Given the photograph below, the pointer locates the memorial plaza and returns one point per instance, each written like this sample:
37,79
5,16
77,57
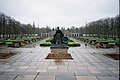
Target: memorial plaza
87,64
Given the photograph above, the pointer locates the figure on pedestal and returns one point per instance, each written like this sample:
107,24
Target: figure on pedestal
58,37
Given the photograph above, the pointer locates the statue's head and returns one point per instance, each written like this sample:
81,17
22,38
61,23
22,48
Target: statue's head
58,28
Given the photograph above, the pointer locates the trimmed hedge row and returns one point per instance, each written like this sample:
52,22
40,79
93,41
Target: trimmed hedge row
101,42
19,42
45,44
74,45
71,43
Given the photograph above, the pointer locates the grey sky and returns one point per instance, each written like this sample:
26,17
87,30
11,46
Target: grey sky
55,13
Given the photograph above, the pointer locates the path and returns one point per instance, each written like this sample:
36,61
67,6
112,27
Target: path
88,64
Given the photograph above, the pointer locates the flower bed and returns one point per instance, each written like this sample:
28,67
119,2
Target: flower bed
58,56
113,56
6,55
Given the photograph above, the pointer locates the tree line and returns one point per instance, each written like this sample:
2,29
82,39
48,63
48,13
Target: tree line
9,27
107,27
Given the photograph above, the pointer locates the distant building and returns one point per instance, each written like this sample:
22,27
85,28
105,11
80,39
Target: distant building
44,34
74,34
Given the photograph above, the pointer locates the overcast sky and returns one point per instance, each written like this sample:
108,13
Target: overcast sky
55,13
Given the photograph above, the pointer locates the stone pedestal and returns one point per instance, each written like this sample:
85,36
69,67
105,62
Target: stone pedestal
59,52
59,49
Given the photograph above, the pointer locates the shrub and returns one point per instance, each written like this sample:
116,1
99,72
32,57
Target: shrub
73,44
15,41
9,43
49,40
2,42
70,40
45,44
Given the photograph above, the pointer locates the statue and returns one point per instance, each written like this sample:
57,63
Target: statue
58,37
59,47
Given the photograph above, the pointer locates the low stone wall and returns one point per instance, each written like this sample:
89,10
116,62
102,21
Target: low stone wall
65,51
56,49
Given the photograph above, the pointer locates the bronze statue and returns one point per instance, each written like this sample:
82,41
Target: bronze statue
58,37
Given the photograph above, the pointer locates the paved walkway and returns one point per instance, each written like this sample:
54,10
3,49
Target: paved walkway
88,64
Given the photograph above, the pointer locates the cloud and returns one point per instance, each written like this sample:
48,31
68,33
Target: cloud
59,12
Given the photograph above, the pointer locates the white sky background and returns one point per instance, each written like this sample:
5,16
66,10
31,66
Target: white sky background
55,13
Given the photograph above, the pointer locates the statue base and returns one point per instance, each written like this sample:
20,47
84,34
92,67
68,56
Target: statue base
59,52
59,49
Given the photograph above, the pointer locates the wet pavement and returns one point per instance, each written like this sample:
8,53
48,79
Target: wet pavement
87,64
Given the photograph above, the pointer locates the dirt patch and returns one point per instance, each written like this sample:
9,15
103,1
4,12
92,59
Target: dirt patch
58,56
113,56
6,55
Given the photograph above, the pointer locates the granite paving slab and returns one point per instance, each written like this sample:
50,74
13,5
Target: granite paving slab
25,77
45,78
8,77
62,77
86,78
107,78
